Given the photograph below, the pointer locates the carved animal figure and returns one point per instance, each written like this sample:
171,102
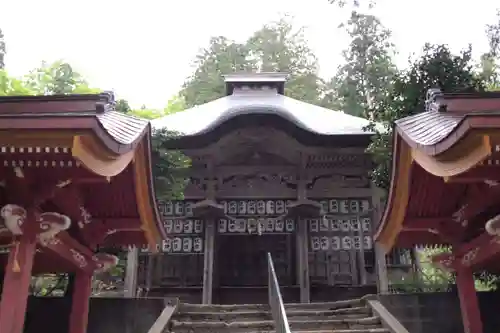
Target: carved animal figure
13,217
52,223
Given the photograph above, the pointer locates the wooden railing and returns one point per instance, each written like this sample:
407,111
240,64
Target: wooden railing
161,323
275,300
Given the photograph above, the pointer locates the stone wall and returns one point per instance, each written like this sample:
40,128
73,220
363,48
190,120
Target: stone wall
440,312
107,315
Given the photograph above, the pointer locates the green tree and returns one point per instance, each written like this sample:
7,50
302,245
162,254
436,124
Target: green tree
169,166
277,46
437,67
366,76
280,47
489,67
57,78
122,106
3,50
222,56
174,105
147,113
10,86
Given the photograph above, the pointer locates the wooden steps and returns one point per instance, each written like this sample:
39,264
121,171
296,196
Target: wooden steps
350,316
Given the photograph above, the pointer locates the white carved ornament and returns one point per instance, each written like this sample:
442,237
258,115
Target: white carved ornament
85,219
52,223
469,257
493,226
105,261
79,258
459,216
13,218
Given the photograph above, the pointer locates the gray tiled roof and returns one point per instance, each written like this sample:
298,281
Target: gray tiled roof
203,118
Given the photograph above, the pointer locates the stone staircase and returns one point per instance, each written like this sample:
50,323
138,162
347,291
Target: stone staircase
351,316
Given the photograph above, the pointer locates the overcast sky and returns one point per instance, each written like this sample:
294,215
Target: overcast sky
143,49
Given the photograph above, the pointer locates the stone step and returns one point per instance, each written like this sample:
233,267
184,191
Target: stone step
356,312
351,303
239,326
223,316
187,307
343,313
295,325
366,330
325,324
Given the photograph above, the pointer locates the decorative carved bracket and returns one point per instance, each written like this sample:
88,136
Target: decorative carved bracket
304,208
49,223
208,209
493,226
104,261
13,217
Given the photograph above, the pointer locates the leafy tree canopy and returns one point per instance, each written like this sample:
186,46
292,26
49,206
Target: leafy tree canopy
277,46
437,67
366,75
58,77
3,50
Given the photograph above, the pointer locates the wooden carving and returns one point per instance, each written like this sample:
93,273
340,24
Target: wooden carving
13,217
255,184
196,187
324,185
255,157
51,224
332,161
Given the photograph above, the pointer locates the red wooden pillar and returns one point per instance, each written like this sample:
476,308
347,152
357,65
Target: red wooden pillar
469,305
16,285
80,306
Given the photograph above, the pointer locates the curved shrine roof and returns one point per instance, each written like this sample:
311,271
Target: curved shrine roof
447,119
448,139
317,120
106,142
118,131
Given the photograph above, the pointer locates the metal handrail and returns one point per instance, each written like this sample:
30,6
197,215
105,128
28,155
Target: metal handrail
275,300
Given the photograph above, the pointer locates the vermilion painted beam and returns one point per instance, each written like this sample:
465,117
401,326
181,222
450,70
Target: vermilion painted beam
99,229
477,175
471,255
469,305
73,252
80,305
16,283
448,230
481,197
427,222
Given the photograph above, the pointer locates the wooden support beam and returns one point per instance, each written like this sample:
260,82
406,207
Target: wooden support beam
17,280
131,272
80,303
209,257
479,174
303,262
469,305
481,197
302,236
472,255
380,256
208,264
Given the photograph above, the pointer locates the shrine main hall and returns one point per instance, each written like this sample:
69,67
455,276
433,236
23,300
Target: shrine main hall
269,173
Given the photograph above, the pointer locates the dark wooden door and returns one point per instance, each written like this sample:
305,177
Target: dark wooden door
242,259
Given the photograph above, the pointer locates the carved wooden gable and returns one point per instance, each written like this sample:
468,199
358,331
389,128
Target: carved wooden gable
255,156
